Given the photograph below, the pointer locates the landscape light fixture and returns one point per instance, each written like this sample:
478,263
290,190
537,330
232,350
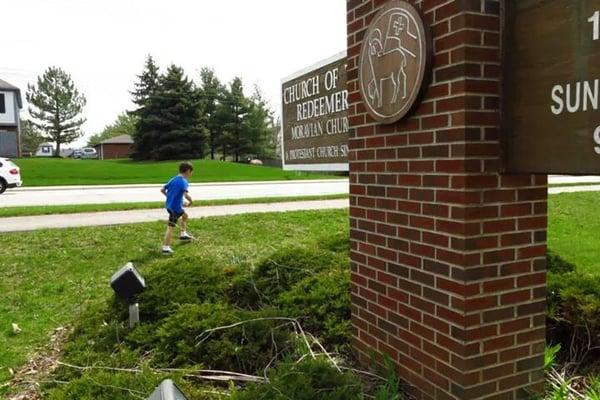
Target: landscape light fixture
167,391
128,283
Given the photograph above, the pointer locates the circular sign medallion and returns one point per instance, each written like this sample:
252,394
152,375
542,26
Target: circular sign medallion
393,61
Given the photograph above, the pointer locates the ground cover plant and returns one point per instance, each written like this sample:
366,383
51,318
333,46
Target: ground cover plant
57,172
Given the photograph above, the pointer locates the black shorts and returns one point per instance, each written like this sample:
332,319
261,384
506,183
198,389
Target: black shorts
174,217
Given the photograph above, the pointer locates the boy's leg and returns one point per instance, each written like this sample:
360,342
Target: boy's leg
183,224
168,236
169,233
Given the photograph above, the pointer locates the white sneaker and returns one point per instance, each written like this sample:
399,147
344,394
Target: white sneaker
167,250
185,237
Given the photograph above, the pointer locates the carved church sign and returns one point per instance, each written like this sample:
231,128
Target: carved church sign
394,61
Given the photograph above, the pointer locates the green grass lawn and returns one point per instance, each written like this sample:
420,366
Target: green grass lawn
56,172
574,228
84,208
48,277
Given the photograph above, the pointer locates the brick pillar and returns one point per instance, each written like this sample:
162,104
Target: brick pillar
448,254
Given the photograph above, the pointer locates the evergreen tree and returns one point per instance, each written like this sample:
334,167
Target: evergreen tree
31,137
234,111
259,127
126,124
147,83
169,125
211,94
56,106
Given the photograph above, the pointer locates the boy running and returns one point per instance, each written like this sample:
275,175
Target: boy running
175,190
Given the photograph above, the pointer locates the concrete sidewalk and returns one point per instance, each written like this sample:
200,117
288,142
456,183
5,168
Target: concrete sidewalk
54,196
20,224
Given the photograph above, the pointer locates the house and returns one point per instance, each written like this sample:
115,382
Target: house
10,128
45,150
116,147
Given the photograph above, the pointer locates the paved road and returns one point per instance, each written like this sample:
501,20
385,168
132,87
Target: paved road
46,196
20,224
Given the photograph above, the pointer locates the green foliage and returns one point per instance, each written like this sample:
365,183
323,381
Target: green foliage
56,106
557,264
573,308
147,83
31,137
169,121
573,299
307,380
186,280
126,124
123,385
321,303
211,93
178,119
289,266
390,390
186,338
550,354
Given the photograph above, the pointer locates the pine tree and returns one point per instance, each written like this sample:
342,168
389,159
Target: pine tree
234,111
259,127
170,125
56,106
147,83
211,94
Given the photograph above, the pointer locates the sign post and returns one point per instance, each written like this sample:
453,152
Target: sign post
315,117
551,99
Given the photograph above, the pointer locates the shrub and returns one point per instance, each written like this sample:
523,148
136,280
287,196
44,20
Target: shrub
573,307
306,380
248,347
278,273
103,384
186,280
322,305
557,265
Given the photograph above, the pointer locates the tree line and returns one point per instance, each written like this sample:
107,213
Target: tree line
174,117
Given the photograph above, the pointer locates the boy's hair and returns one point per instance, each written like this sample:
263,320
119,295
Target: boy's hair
185,167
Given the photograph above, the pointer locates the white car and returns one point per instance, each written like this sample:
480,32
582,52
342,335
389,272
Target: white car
10,175
89,153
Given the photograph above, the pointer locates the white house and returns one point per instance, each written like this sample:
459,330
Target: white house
10,129
45,150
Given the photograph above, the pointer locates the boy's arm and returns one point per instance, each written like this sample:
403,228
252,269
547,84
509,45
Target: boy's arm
163,190
188,198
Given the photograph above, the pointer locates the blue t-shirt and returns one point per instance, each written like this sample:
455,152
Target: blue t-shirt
175,189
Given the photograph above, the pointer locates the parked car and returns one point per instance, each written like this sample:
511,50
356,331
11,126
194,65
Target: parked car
10,175
87,152
77,153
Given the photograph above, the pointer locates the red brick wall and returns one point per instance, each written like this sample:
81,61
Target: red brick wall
113,151
448,255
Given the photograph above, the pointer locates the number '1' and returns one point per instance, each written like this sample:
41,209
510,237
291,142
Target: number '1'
595,19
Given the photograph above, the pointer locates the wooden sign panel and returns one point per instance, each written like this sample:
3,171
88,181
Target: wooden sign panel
551,90
315,117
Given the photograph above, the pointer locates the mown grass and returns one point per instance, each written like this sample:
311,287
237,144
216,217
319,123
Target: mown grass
573,228
60,172
85,208
49,277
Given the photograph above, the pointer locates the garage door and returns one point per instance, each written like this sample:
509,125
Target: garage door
8,144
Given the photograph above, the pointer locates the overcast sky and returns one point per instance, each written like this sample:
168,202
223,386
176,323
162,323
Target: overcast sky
103,43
